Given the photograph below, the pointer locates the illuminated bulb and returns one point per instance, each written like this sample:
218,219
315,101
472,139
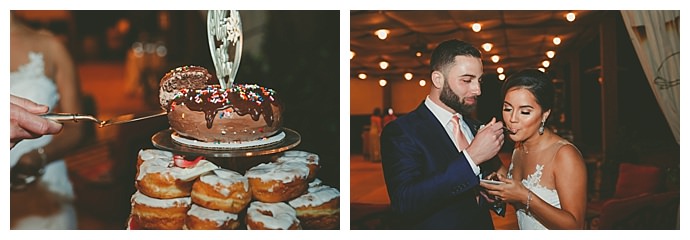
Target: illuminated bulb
383,82
352,54
570,16
476,27
362,76
546,63
408,76
382,33
550,54
542,69
418,54
557,40
383,64
495,58
501,77
487,46
499,70
422,82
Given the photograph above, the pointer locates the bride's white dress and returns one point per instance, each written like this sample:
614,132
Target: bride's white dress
30,82
532,182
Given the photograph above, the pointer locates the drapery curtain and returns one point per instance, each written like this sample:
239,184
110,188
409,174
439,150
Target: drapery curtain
655,36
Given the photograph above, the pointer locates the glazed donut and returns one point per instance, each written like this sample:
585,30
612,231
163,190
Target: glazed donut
222,189
200,218
311,159
149,154
158,179
319,208
278,181
153,213
271,216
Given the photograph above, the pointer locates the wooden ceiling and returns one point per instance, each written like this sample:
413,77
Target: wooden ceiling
520,38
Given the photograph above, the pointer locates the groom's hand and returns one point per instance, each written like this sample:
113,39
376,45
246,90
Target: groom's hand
487,142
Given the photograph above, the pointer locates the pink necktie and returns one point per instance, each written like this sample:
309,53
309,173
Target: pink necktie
459,137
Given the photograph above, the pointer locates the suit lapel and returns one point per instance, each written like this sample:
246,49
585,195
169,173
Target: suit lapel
433,133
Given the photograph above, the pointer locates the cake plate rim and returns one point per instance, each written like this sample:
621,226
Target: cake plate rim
163,140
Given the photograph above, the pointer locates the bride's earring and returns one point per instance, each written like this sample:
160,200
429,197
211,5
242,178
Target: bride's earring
541,128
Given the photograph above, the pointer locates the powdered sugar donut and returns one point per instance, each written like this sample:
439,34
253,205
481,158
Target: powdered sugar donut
271,216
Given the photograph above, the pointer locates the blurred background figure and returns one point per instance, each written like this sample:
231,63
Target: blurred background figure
42,71
389,117
375,128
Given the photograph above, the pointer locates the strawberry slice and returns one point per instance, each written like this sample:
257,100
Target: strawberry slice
184,163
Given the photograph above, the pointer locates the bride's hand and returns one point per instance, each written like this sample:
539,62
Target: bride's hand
509,191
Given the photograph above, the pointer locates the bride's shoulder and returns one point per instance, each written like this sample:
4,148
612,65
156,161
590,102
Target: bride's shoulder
568,155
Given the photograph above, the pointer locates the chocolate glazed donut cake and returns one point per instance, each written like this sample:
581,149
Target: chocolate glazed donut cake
209,113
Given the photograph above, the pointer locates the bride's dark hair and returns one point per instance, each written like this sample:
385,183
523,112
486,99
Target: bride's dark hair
535,81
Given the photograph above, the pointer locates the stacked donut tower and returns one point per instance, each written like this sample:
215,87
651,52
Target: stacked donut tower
174,192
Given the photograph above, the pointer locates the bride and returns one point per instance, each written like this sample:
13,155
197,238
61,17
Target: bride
42,71
547,179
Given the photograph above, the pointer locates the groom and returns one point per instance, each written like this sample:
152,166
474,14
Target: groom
434,156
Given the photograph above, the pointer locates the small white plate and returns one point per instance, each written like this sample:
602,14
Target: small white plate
491,181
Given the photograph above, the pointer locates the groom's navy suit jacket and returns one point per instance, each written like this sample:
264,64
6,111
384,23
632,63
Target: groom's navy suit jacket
430,184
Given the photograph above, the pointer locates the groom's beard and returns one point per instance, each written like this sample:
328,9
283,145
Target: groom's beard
452,100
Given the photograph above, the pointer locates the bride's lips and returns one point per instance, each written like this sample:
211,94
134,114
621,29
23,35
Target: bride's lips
507,130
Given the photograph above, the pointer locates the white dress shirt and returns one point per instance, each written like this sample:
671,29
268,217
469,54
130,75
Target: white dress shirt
444,117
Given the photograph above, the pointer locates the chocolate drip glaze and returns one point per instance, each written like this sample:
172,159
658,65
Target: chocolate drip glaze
242,99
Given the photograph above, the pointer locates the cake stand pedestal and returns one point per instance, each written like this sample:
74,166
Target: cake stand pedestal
236,159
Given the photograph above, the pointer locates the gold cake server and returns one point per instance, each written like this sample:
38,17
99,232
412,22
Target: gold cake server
75,117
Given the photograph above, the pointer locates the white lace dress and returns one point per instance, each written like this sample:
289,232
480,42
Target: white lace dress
30,82
532,182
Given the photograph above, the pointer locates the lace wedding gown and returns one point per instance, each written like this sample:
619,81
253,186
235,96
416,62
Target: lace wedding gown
30,82
532,182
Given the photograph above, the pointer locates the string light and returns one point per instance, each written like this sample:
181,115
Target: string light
408,76
550,54
487,46
352,54
422,82
557,40
495,58
382,33
570,16
383,64
476,27
546,63
542,69
362,76
501,77
499,70
383,82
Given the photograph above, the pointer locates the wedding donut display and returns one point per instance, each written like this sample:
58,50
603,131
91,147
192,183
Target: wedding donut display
259,182
176,193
